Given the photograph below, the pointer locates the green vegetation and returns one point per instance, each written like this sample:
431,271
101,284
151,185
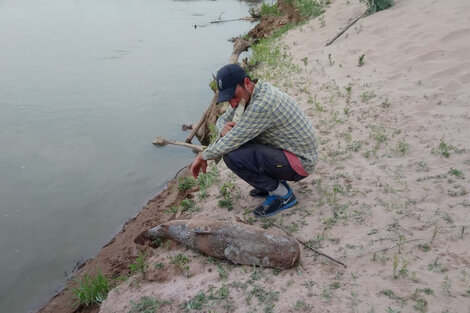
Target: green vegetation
146,305
213,134
268,53
377,5
214,297
268,298
91,290
226,192
402,146
222,272
360,61
186,183
205,180
307,8
456,172
444,149
184,205
180,261
269,10
139,264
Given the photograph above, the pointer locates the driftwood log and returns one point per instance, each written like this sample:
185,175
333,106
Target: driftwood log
162,141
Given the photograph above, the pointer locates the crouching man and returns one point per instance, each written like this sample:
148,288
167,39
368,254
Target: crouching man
272,143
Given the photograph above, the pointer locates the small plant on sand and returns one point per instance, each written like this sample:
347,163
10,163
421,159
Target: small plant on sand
180,261
300,305
195,303
268,222
444,148
268,298
355,146
379,135
421,304
184,205
186,183
402,146
226,192
457,173
377,5
446,285
205,180
434,265
139,264
425,247
319,107
360,61
91,290
222,272
367,95
423,166
385,104
146,305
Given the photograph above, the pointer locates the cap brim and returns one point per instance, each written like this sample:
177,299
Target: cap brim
226,94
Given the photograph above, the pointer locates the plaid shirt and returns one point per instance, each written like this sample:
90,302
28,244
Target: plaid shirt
273,118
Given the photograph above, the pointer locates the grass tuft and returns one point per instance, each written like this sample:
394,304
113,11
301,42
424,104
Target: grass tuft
378,5
91,290
146,305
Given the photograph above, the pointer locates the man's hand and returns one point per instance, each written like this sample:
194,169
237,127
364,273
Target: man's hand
228,127
198,164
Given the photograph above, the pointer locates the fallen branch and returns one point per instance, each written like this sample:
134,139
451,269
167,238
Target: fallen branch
383,249
200,123
346,28
310,247
161,141
246,18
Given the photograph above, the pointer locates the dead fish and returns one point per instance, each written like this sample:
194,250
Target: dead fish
236,242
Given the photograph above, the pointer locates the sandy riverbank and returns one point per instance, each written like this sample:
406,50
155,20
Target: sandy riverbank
390,193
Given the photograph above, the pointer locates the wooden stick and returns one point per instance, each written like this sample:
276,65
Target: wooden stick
346,28
310,247
247,18
161,141
383,249
201,122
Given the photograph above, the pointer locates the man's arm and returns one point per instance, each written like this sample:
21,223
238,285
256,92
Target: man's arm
223,119
253,123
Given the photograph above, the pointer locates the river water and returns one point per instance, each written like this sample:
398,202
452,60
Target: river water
85,86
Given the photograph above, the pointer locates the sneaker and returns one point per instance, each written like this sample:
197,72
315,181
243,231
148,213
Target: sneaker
258,193
276,204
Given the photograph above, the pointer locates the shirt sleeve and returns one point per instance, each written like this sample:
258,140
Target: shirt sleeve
227,116
252,123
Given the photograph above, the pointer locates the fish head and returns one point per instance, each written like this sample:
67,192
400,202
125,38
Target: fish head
152,234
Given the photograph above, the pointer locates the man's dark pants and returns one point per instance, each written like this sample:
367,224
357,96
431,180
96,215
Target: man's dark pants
261,166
